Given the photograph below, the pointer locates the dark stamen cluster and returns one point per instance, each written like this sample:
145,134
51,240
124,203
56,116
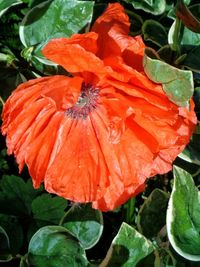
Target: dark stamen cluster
86,102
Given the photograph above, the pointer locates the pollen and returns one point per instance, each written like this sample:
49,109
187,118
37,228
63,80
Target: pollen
86,103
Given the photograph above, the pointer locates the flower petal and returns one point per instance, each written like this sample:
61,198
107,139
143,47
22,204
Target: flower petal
37,153
77,169
75,54
31,116
147,145
113,40
112,28
67,92
35,129
132,130
126,162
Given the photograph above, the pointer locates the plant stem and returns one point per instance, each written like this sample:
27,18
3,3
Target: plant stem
66,213
129,210
1,100
177,36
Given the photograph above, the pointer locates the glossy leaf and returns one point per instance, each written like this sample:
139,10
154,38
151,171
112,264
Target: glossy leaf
190,38
186,16
177,84
14,197
66,17
151,216
44,66
48,209
187,37
153,31
183,216
127,248
4,246
85,223
53,246
155,7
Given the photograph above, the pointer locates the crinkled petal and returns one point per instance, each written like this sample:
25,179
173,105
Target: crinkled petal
112,28
67,91
75,54
139,140
35,129
125,160
31,117
38,153
113,40
155,97
77,169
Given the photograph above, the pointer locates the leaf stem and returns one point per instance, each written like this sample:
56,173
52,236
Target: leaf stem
66,213
130,210
196,173
177,36
2,101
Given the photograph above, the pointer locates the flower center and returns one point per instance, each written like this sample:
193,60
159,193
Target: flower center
86,102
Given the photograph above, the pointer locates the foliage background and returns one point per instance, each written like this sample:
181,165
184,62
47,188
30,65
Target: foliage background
39,229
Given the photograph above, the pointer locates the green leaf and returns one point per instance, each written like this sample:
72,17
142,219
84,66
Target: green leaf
34,55
190,38
3,162
6,4
155,7
190,154
129,211
186,16
149,261
187,37
66,17
192,59
85,223
48,209
44,66
177,84
136,22
23,262
32,192
127,248
6,59
4,246
9,79
33,3
53,246
197,103
153,31
152,215
171,10
14,231
183,216
14,197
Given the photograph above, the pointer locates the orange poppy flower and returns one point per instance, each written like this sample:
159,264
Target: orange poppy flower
97,136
